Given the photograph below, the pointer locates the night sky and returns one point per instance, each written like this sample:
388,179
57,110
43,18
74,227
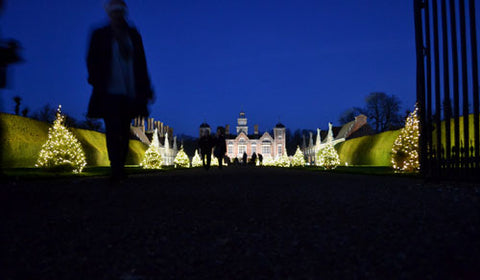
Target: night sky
298,62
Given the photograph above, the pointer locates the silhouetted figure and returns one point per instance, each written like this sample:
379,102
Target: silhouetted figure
244,158
254,159
206,143
260,159
220,146
236,162
117,71
227,160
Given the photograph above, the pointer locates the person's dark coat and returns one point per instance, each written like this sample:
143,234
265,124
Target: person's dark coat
206,143
99,61
220,147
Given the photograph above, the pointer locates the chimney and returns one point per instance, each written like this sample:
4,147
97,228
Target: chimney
170,131
227,129
142,124
149,124
160,130
255,129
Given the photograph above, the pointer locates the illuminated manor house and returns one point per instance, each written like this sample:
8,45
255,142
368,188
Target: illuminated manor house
265,144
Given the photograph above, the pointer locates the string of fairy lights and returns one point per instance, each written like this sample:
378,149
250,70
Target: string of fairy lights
405,149
181,159
328,157
62,147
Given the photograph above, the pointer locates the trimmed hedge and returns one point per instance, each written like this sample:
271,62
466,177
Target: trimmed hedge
22,139
452,125
374,150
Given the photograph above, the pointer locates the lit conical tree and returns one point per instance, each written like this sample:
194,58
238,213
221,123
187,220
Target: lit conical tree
153,158
268,161
282,161
196,160
328,157
181,160
405,148
298,158
61,148
214,161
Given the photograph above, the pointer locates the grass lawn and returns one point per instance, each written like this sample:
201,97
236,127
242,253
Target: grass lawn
365,170
39,173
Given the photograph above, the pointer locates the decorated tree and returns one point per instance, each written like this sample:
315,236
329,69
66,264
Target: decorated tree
282,161
214,161
181,160
62,149
405,148
268,161
153,158
298,158
328,157
196,161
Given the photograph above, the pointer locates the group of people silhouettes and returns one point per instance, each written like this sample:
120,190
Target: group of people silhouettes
208,142
217,143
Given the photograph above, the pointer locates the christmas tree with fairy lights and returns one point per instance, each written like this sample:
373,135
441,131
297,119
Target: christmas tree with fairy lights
62,149
328,157
196,160
298,158
153,158
181,159
282,161
405,148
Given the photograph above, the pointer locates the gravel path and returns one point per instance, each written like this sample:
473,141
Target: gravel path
240,223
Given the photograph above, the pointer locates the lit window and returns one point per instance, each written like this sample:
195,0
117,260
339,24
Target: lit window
230,148
279,149
265,149
254,148
241,149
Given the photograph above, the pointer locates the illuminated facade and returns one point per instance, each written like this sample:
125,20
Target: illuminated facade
269,146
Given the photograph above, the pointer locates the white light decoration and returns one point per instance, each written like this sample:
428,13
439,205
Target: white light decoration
181,160
282,161
153,158
214,161
268,161
328,157
62,149
405,148
196,160
298,158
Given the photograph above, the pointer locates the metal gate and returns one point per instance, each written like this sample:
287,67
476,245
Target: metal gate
447,88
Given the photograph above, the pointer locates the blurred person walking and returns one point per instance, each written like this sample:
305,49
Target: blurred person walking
117,71
220,146
206,143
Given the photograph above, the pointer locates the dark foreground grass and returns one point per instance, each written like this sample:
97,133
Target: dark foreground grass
239,223
99,171
40,173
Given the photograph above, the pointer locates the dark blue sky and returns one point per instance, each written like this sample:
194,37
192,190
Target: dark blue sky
299,62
